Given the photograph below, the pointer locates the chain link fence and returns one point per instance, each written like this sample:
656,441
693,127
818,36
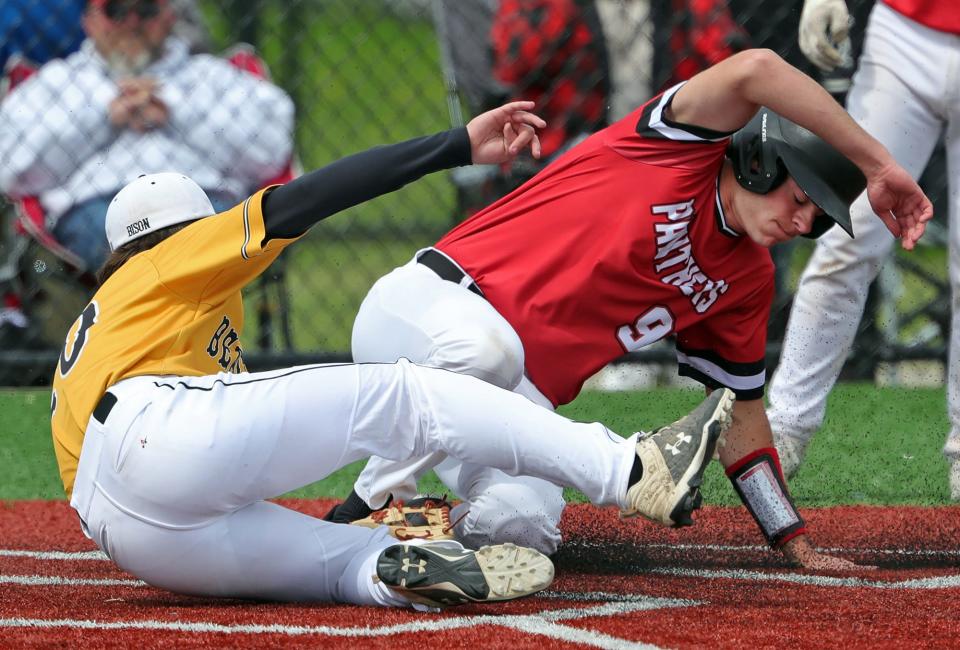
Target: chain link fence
367,72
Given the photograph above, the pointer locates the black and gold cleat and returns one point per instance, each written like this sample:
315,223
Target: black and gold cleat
674,459
442,574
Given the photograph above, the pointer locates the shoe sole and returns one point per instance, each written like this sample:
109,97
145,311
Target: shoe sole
692,479
440,577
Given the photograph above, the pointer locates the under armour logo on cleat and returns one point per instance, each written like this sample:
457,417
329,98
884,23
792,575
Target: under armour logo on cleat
421,565
675,447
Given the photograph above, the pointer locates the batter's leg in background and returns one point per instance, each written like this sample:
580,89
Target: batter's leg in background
952,447
172,484
897,82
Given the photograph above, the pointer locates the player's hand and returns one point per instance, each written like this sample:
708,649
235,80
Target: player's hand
900,203
497,136
824,25
799,551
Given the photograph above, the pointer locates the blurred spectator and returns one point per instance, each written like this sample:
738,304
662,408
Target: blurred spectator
190,27
42,30
39,30
553,52
587,61
133,100
463,27
629,35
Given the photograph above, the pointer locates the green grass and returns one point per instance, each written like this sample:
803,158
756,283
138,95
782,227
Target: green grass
878,446
28,469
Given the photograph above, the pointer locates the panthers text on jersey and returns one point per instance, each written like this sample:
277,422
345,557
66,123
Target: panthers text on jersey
617,244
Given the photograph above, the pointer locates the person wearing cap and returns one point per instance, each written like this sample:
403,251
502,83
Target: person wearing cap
168,448
134,100
656,226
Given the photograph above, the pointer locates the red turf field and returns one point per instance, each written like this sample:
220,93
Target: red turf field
619,585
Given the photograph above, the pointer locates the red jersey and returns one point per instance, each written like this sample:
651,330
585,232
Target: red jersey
617,244
942,15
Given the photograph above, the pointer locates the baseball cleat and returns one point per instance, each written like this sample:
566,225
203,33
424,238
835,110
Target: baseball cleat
791,451
441,574
674,458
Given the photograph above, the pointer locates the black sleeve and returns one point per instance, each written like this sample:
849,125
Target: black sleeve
290,210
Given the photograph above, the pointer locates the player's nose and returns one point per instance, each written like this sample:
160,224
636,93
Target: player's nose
803,219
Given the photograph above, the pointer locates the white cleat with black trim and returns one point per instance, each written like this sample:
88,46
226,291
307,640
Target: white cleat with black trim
441,574
674,458
791,451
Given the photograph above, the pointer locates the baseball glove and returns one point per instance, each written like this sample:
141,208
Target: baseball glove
420,518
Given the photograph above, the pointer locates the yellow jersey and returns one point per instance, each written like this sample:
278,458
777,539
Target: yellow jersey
175,309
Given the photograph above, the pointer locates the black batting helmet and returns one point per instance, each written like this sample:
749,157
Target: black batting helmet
770,147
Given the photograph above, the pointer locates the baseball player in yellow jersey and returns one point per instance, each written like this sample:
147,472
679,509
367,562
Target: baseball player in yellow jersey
169,449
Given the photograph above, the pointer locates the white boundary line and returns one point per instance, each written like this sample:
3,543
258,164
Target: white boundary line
542,624
935,582
947,552
54,555
938,582
57,581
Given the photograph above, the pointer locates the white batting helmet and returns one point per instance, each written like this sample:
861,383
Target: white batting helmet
152,202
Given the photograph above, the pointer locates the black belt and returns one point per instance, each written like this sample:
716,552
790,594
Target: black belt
447,270
104,406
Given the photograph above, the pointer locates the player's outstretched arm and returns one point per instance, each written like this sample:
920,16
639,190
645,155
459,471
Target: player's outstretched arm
493,137
748,454
725,96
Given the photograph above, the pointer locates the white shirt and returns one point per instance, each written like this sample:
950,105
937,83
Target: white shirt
228,130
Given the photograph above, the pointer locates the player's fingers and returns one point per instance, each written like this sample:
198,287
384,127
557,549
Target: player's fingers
535,147
524,138
512,107
507,111
524,117
917,220
509,136
913,210
890,222
525,135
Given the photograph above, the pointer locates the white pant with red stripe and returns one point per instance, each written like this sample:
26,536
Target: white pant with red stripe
906,92
172,485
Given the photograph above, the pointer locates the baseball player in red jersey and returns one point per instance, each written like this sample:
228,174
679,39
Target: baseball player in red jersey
655,226
168,448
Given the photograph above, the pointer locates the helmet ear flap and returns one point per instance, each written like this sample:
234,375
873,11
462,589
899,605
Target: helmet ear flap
755,154
756,162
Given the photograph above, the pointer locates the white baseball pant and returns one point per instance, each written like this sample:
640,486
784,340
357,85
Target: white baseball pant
172,485
412,313
904,93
